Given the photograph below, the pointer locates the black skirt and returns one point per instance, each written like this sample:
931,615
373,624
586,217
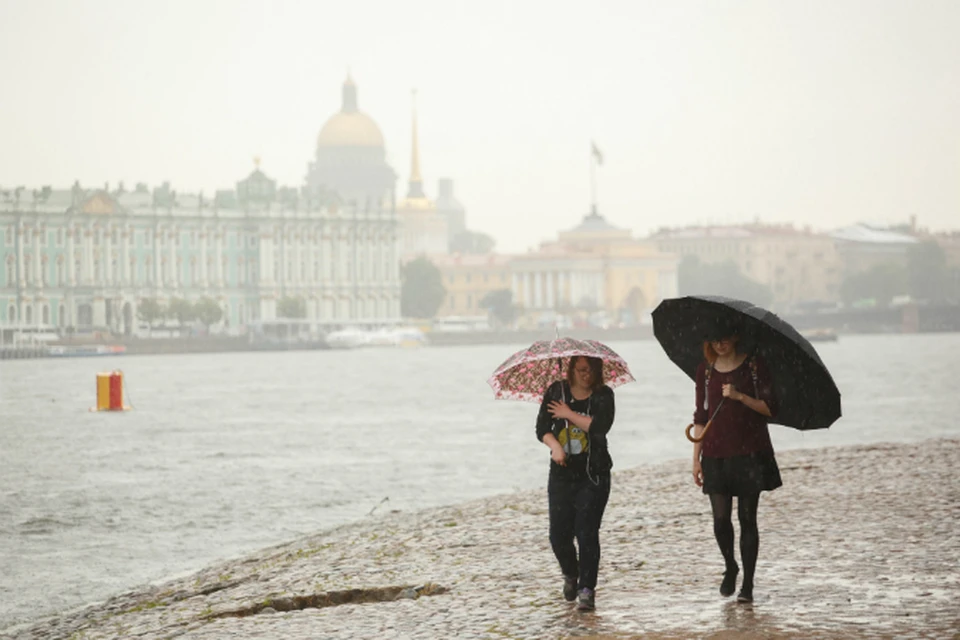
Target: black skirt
741,475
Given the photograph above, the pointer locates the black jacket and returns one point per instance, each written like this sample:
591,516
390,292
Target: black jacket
601,408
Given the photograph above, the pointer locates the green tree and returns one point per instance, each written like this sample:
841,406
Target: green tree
291,307
208,312
422,291
149,311
880,283
500,305
181,310
472,242
720,279
927,271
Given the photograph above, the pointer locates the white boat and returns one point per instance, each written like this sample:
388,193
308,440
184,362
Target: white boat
347,339
397,337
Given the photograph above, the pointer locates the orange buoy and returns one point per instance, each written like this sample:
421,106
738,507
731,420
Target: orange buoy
110,391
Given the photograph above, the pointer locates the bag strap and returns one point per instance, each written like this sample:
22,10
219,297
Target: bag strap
706,386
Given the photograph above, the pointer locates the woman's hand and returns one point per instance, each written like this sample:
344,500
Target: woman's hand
697,472
559,410
730,391
558,455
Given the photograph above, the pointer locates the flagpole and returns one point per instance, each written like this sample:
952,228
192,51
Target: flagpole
593,180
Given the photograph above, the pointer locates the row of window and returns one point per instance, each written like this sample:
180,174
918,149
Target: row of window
245,271
332,309
191,238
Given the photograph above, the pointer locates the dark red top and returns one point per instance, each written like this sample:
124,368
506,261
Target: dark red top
737,429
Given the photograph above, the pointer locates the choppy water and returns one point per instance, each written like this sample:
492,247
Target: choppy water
232,452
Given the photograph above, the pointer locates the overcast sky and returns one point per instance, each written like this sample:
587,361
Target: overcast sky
818,112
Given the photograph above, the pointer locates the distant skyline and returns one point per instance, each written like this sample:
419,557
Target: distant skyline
820,114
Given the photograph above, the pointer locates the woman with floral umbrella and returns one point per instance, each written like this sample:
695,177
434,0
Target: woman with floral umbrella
576,413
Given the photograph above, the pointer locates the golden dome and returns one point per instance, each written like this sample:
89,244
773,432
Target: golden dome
350,130
350,127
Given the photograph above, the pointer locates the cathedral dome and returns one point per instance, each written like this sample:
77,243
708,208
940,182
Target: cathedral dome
350,127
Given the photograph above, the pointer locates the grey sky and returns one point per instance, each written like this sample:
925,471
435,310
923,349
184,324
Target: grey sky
819,112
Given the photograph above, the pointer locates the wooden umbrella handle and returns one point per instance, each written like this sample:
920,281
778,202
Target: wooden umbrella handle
703,433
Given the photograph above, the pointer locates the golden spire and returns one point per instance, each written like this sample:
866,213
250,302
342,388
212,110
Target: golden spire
416,180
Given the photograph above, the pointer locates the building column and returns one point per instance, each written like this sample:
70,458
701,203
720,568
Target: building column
538,290
203,257
172,257
126,236
88,254
156,250
551,289
107,275
99,307
218,255
71,259
20,264
37,263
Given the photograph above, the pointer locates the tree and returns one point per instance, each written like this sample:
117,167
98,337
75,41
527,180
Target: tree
422,291
181,310
720,279
149,311
880,283
208,312
291,307
472,242
927,272
499,304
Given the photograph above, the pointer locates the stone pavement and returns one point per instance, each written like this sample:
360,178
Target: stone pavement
860,542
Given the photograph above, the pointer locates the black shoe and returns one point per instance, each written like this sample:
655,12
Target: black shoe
585,600
745,595
569,589
729,584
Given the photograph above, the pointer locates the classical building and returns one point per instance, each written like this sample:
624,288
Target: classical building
863,246
797,265
468,278
594,267
85,258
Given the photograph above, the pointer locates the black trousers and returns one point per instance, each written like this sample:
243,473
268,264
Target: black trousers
576,509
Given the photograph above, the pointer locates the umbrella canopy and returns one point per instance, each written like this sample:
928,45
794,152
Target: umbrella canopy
807,396
526,374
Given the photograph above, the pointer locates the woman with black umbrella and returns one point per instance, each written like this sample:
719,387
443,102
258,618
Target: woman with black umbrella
732,452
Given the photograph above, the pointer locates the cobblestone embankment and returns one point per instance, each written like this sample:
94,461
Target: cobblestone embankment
860,542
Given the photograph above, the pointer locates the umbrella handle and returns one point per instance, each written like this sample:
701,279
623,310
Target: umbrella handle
703,433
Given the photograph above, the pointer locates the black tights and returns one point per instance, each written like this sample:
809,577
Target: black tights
749,535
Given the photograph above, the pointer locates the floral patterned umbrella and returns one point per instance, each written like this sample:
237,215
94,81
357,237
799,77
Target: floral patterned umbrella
526,374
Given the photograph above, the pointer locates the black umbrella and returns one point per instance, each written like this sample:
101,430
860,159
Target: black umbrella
807,396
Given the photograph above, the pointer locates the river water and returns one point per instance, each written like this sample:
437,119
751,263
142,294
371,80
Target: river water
228,453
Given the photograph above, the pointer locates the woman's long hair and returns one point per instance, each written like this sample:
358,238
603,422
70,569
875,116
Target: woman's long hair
596,371
711,356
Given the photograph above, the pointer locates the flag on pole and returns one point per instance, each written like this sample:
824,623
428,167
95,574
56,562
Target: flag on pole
596,152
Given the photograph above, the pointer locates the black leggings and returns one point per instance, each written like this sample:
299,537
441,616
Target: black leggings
576,509
749,535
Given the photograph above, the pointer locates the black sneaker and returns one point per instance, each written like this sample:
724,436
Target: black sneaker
729,584
745,595
585,600
569,589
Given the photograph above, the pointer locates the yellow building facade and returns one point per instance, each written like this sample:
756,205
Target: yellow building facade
797,265
468,279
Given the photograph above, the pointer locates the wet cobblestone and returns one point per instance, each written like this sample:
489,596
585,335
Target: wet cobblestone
860,542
